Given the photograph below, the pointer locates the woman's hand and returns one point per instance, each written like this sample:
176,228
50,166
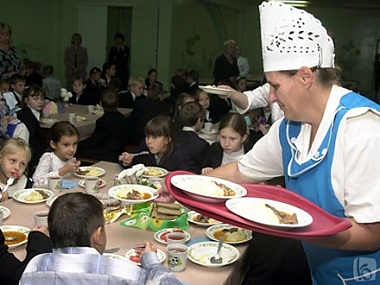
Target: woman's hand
126,157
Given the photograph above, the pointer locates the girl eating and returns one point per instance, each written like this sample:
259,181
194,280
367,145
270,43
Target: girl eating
14,158
64,139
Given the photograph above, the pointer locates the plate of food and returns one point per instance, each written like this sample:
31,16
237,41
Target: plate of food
15,235
114,256
201,252
133,193
269,212
6,212
214,90
135,257
160,235
210,132
101,183
208,189
89,171
48,121
153,171
200,219
230,234
32,195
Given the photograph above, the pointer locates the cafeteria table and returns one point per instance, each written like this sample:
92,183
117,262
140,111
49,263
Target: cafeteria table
118,235
85,127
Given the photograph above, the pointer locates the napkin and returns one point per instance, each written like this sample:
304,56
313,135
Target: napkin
68,184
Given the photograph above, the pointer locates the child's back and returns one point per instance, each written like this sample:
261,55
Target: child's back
51,86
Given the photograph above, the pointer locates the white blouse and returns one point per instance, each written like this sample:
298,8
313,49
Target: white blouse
48,166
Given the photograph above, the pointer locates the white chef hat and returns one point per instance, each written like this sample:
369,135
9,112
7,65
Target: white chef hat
292,38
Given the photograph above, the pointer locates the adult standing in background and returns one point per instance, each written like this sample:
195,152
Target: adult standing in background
76,59
225,65
242,62
119,55
9,61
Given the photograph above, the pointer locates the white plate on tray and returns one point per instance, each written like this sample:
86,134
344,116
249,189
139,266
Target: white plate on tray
204,188
29,196
119,192
20,231
154,171
191,216
201,252
160,236
114,256
6,212
255,210
91,171
133,257
102,183
237,236
214,90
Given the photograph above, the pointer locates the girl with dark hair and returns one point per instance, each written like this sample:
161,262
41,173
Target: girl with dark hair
108,72
60,161
119,55
162,150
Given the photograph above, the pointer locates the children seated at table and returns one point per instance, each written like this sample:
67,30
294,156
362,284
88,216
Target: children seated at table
51,85
161,147
152,78
14,158
233,133
135,93
110,135
60,161
192,79
14,97
93,86
81,95
78,234
182,99
192,116
33,100
109,71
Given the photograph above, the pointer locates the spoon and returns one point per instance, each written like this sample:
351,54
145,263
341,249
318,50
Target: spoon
125,210
116,249
217,259
145,152
9,183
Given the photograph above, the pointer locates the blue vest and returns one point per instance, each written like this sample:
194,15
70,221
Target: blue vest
312,180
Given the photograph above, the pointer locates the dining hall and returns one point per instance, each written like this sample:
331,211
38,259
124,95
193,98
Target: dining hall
188,141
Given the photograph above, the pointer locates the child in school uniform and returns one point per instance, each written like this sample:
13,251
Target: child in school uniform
51,85
192,116
30,114
109,137
163,151
81,95
14,97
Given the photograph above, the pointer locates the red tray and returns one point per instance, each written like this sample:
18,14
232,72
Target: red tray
323,224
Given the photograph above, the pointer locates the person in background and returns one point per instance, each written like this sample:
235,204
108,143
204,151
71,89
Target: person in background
51,85
109,71
242,62
179,85
225,65
63,141
5,86
160,143
135,93
327,146
241,84
29,71
93,87
9,60
78,246
119,55
14,158
110,135
152,78
192,117
11,268
30,114
14,97
192,80
81,95
182,99
75,59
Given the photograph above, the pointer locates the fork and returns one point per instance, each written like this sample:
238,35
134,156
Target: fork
145,152
9,183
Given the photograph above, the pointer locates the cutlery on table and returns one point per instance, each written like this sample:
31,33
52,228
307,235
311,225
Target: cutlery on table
116,249
217,259
9,183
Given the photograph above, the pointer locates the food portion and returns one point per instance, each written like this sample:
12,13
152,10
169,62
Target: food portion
284,217
203,219
231,234
14,237
132,194
154,171
36,195
89,171
211,188
166,211
163,236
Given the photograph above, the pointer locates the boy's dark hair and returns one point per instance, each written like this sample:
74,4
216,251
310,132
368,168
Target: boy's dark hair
193,74
190,113
63,128
115,84
73,218
95,70
78,78
119,35
155,90
48,70
109,99
15,78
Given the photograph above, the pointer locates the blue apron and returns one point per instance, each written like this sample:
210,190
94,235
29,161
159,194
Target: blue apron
312,180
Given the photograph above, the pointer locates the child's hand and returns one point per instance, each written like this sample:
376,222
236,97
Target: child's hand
126,157
206,170
4,196
70,167
164,196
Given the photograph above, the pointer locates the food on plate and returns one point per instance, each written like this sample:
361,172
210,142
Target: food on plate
154,171
135,258
230,234
164,235
132,194
13,237
227,191
164,211
284,217
211,188
90,171
36,195
203,219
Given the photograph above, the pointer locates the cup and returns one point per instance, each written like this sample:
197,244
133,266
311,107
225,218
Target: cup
55,183
175,238
90,108
177,257
208,126
41,218
91,185
72,118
